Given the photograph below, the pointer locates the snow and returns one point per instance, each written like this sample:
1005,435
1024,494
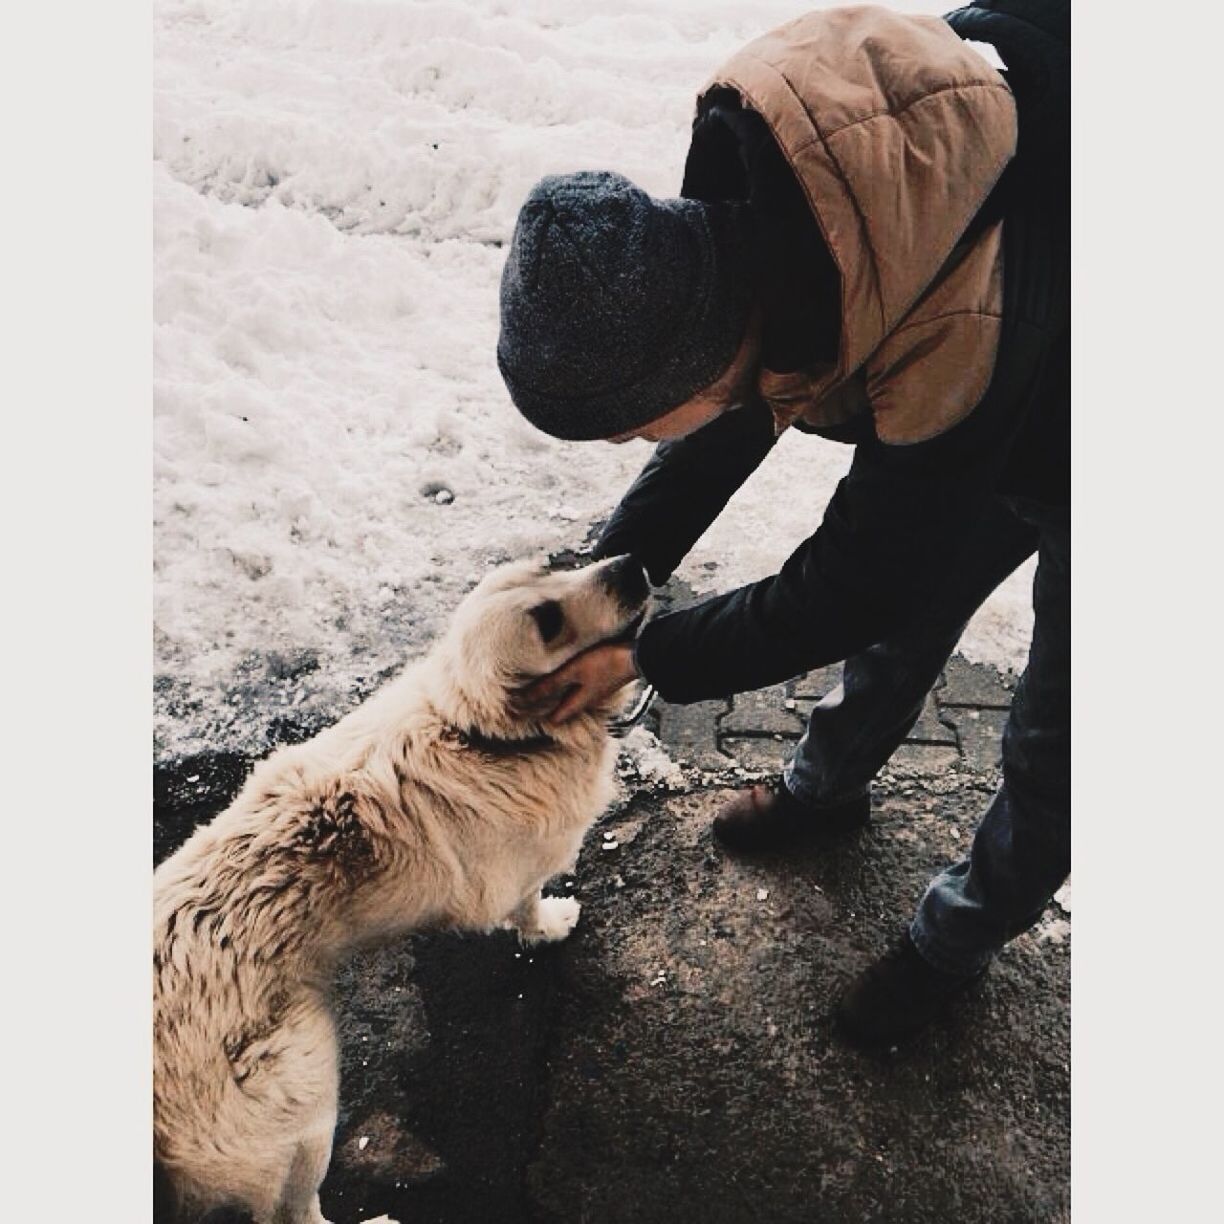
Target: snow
336,458
651,762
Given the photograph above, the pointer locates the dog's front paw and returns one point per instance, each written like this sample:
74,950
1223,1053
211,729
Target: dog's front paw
556,917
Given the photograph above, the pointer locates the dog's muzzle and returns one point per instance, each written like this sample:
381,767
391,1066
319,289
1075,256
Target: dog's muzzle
626,579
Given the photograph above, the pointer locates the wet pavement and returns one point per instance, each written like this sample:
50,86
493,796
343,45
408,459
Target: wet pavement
672,1061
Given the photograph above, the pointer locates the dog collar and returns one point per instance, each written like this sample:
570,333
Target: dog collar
472,737
493,746
620,727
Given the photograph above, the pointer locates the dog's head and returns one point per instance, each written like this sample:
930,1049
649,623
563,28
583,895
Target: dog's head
522,622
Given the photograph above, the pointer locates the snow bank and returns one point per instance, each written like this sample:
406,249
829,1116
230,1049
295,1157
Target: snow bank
334,185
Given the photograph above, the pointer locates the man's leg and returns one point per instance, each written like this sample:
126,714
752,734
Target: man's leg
856,728
1021,852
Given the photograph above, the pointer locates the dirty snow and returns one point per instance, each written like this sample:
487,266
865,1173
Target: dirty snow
1053,930
336,459
651,762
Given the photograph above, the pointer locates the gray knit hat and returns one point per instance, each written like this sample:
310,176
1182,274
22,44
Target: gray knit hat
616,307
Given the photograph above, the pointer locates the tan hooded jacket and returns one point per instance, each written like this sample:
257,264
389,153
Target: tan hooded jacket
897,131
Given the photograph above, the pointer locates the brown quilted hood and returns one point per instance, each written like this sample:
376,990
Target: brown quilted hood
897,131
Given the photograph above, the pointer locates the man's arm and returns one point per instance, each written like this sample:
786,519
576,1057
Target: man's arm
684,487
894,525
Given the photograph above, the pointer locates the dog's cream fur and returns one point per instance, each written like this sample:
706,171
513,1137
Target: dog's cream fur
433,805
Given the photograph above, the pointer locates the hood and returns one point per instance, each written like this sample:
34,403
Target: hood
896,130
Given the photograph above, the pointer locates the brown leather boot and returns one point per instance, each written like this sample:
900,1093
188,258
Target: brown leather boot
768,817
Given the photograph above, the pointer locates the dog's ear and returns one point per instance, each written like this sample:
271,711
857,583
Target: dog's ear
549,618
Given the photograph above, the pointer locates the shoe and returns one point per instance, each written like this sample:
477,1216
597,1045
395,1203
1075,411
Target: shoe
769,817
897,997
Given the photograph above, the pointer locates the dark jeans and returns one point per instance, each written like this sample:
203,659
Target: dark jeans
1021,852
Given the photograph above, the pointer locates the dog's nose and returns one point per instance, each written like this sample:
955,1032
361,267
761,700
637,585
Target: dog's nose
626,579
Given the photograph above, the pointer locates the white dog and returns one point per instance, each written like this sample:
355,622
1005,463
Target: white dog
432,805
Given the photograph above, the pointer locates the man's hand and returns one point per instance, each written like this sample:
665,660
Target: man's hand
585,681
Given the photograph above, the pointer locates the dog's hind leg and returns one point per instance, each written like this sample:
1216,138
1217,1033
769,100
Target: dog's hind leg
299,1202
544,919
291,1124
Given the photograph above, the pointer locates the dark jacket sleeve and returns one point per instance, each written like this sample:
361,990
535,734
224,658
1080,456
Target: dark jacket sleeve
684,487
891,530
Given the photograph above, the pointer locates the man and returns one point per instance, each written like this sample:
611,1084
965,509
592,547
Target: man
860,251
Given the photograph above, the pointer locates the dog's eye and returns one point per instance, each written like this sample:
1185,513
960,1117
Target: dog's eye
549,619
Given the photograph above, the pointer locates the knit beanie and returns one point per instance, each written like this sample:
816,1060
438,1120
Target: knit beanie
616,307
